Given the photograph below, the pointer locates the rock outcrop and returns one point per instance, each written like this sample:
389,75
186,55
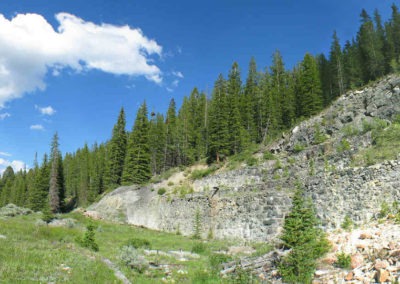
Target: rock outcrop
251,202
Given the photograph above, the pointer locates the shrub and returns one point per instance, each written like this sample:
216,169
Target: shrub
199,247
268,156
343,146
319,137
347,223
197,225
343,260
88,240
199,174
216,260
251,161
170,183
297,148
161,191
138,243
385,210
130,257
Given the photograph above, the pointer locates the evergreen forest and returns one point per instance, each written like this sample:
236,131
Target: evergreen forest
241,111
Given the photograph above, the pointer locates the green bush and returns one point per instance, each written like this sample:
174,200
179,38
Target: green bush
347,223
297,148
88,240
199,174
161,191
319,137
138,243
131,258
251,161
268,156
216,260
343,260
343,146
199,247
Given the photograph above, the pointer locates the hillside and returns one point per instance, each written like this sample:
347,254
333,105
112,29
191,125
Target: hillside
345,158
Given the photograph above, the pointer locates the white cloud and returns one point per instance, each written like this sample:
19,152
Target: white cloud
4,115
16,165
37,127
177,74
5,154
175,83
30,47
45,110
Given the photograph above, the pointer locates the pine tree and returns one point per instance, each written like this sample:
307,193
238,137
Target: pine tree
336,65
309,97
157,139
305,240
171,147
393,31
56,185
250,105
116,152
137,162
352,65
238,136
370,46
218,130
324,67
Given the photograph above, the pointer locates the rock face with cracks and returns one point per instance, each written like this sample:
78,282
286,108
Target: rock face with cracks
251,202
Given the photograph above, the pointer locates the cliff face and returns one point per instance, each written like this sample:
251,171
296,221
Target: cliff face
251,202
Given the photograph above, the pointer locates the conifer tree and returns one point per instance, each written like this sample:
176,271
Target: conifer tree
218,134
306,241
137,162
171,147
251,103
56,185
370,46
352,65
336,65
309,97
157,142
116,152
238,136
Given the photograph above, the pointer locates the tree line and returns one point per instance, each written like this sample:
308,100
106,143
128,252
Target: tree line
211,128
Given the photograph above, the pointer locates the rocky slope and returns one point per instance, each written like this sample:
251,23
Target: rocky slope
251,202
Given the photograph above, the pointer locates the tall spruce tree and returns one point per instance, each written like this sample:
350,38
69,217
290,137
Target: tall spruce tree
116,152
309,96
336,65
171,147
238,136
218,130
137,162
370,46
56,185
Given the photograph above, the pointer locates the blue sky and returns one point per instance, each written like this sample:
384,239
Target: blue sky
69,66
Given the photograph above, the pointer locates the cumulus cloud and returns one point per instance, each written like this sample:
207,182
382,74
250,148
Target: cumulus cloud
45,110
4,115
37,127
30,47
16,165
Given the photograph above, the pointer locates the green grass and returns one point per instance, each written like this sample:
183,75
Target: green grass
33,253
385,146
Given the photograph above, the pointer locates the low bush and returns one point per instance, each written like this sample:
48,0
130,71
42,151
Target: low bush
161,191
199,247
138,243
88,240
131,258
343,260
